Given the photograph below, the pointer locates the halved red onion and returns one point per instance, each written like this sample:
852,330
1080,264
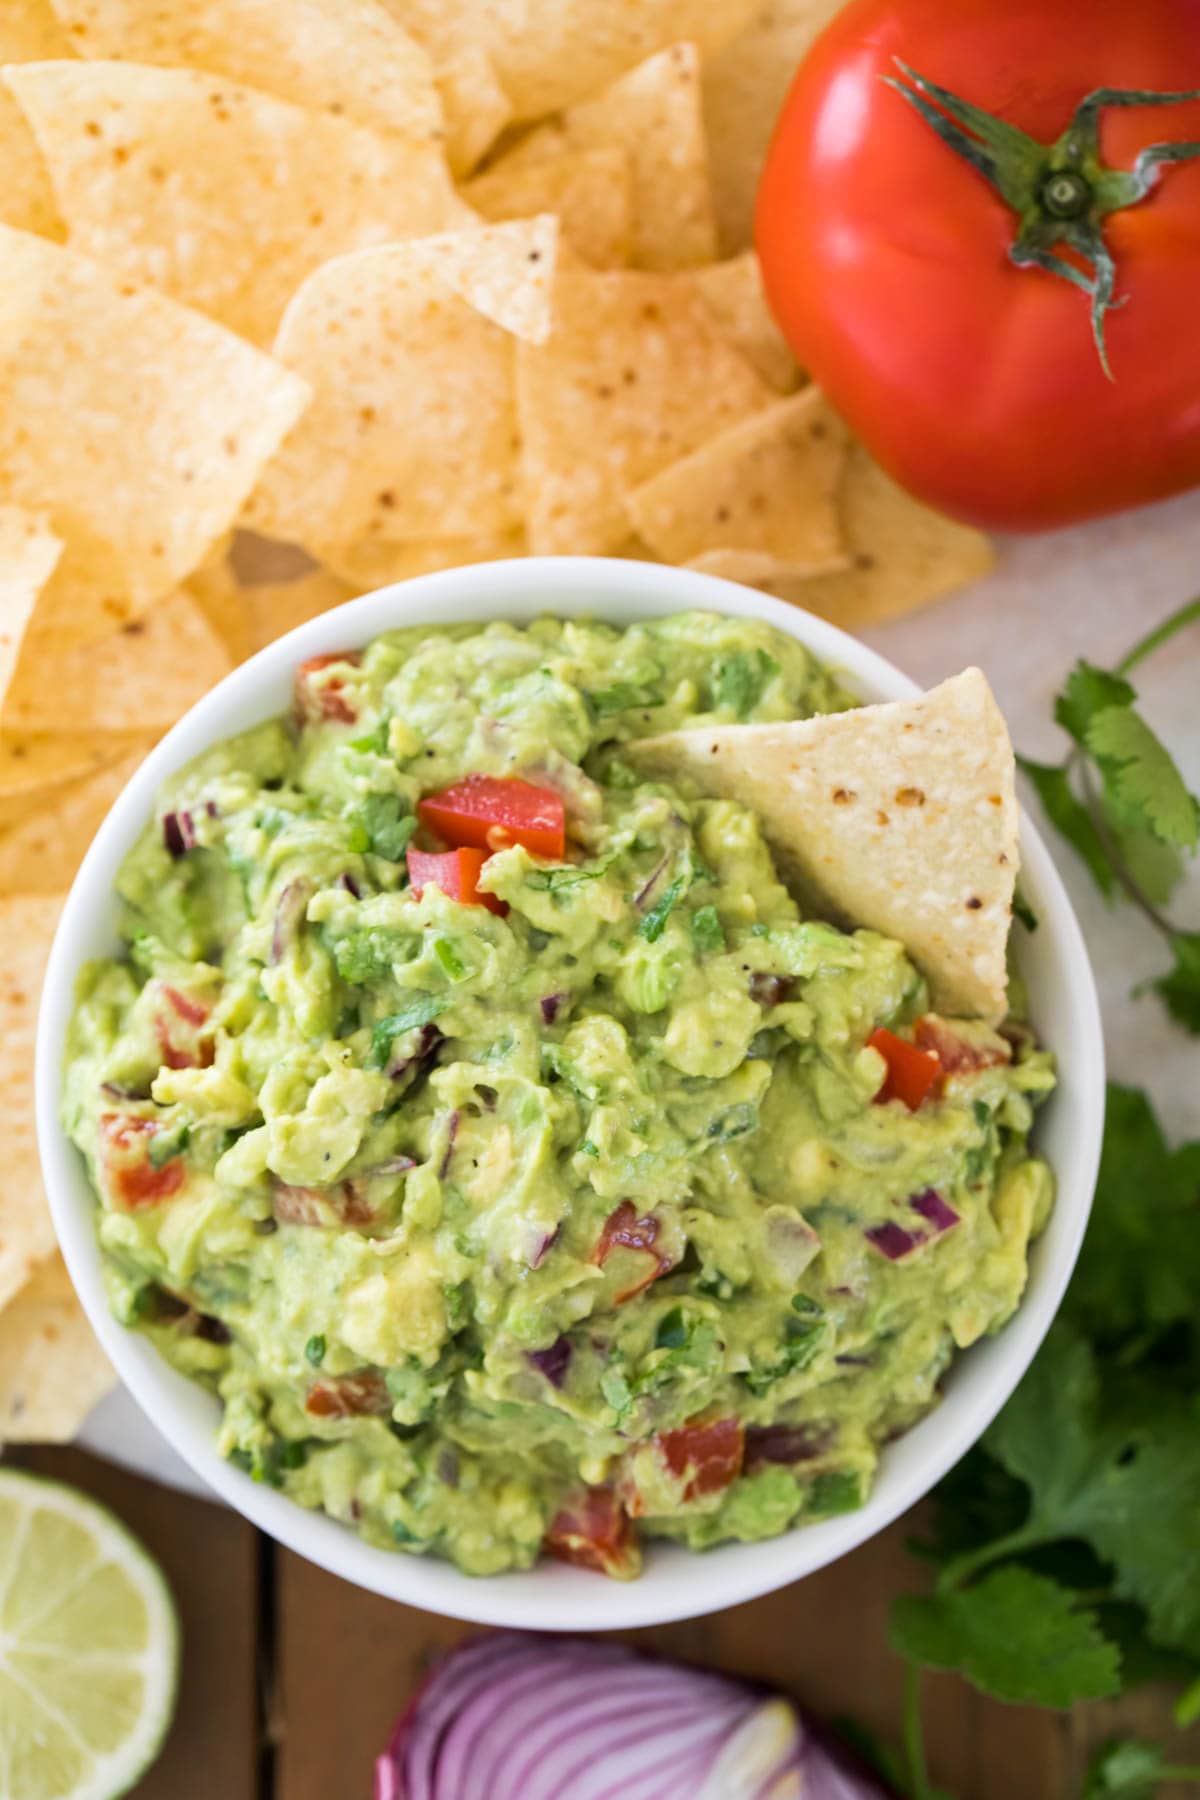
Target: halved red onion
514,1716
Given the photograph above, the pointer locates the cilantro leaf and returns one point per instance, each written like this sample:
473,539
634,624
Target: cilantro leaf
1140,1263
1141,776
1180,989
422,1009
741,679
622,696
1088,691
655,921
707,930
1017,1636
388,824
1121,1472
1071,817
1127,1769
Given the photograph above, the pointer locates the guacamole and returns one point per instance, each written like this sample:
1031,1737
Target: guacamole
561,1188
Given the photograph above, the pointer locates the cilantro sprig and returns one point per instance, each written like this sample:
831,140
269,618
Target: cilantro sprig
1067,1544
1121,802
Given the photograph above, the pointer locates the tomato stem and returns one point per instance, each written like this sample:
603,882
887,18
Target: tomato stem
1061,192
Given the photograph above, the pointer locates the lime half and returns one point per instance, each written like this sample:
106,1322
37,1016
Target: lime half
89,1647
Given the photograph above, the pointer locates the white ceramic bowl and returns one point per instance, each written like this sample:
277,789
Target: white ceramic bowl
675,1584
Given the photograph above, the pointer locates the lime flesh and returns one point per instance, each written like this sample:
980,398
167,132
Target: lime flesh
89,1647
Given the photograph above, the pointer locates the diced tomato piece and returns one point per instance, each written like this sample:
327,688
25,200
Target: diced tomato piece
707,1452
912,1073
491,812
324,699
178,1028
349,1396
130,1177
593,1531
958,1055
456,872
624,1230
312,1206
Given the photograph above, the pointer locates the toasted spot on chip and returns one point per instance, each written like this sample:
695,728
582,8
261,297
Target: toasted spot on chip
257,193
911,880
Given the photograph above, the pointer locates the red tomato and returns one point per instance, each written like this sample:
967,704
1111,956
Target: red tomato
912,1073
708,1453
456,872
957,1055
324,699
624,1230
349,1396
886,255
178,1027
130,1177
593,1531
490,813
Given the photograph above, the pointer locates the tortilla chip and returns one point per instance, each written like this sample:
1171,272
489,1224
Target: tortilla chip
29,32
180,417
550,53
902,554
246,617
52,1370
745,85
374,562
27,924
278,607
224,197
42,853
412,429
767,486
733,293
34,769
29,551
653,113
475,106
634,377
139,678
26,198
352,60
589,191
901,818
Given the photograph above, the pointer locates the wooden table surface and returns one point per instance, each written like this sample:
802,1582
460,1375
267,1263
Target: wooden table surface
291,1679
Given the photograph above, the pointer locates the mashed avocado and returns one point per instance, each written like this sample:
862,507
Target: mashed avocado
554,1226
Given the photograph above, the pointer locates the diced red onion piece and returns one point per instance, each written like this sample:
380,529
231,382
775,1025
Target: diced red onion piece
179,833
347,881
940,1214
770,990
553,1362
786,1443
648,887
395,1165
792,1244
427,1042
892,1240
451,1134
550,1004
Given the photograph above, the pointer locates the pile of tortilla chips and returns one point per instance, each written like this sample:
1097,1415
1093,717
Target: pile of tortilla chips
300,297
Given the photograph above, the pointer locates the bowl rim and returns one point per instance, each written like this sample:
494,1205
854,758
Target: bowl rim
677,1583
